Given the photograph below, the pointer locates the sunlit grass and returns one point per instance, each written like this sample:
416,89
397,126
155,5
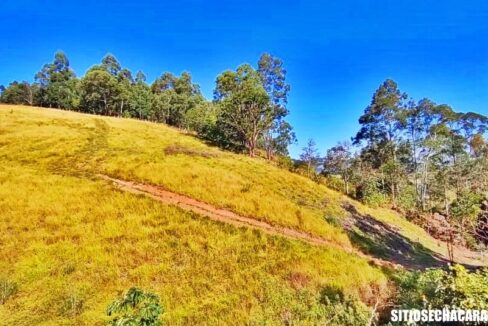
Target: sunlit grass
71,244
70,241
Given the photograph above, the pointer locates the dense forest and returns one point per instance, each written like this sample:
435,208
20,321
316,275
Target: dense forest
424,159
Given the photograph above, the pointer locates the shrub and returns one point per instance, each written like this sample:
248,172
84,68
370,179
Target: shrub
303,307
334,182
407,198
284,162
466,206
136,307
342,310
436,288
370,193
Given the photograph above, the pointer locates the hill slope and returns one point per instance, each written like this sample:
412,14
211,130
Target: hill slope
71,241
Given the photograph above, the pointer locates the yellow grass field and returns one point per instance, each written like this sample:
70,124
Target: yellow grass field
71,242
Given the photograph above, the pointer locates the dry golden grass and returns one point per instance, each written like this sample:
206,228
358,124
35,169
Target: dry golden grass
71,242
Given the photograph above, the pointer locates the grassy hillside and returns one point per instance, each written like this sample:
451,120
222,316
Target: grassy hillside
71,241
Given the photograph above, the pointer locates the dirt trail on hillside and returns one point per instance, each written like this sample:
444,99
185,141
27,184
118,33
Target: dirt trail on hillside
226,216
215,213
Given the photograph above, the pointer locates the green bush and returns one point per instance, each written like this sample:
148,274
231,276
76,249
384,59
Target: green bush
334,182
303,307
407,198
284,162
136,308
466,206
436,289
369,192
341,310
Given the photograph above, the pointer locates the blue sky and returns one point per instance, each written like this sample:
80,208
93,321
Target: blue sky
336,52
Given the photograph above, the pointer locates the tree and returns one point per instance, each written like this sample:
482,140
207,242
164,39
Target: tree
174,97
277,139
111,90
111,65
57,84
381,128
100,92
203,119
140,77
465,211
426,156
338,161
245,105
136,308
311,157
126,91
253,107
273,78
18,93
247,111
140,98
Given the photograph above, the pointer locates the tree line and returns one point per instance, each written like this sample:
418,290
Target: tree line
247,112
417,156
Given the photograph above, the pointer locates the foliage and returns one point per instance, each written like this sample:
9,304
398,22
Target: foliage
18,93
437,288
174,97
202,119
417,156
140,99
245,105
136,308
303,307
465,212
273,77
407,199
310,157
369,192
466,206
345,311
253,105
338,161
101,93
57,84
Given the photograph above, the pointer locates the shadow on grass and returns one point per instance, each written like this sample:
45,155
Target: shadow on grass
385,241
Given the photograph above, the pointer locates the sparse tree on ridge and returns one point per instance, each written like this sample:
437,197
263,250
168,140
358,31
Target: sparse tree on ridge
338,161
310,156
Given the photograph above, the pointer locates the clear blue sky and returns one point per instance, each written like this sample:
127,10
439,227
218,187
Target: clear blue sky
336,52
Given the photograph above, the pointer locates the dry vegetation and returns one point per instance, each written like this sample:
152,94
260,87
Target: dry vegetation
70,242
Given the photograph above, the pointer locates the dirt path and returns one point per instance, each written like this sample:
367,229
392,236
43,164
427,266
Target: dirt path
217,214
226,216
